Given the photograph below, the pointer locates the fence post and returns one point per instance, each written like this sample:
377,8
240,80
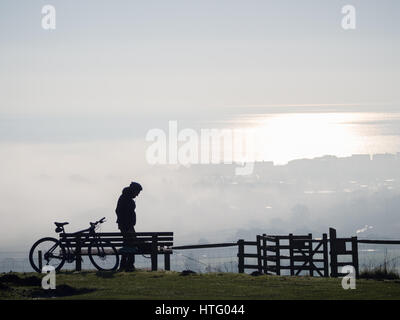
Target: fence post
310,255
259,257
265,260
332,240
167,261
40,259
278,256
291,254
325,250
241,255
78,257
154,253
354,248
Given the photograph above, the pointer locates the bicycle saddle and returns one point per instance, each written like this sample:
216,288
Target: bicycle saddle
60,224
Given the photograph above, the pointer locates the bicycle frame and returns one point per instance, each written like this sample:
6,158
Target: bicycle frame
68,248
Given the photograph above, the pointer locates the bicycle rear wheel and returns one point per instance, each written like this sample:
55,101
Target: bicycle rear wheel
103,255
47,252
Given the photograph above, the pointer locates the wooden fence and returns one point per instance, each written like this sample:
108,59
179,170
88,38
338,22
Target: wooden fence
296,254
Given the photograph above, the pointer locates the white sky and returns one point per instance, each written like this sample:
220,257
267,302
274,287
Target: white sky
177,57
73,99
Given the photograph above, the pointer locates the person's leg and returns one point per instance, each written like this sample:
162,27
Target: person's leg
123,264
124,257
130,264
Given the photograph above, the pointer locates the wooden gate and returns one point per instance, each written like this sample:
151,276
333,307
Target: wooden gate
298,254
274,254
340,248
309,255
295,253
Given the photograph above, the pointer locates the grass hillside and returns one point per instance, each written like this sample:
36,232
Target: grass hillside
173,285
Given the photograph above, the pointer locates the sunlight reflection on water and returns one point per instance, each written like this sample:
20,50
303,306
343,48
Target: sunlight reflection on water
289,136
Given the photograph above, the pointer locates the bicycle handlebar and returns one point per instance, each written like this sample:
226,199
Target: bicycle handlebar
102,220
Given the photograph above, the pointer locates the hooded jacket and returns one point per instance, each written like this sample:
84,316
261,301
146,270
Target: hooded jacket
126,216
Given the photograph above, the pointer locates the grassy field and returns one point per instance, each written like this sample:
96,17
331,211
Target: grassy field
172,285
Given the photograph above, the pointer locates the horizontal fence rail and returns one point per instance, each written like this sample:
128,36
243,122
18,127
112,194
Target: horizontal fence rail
378,241
205,246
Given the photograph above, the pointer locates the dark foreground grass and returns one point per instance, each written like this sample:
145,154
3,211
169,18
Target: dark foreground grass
172,285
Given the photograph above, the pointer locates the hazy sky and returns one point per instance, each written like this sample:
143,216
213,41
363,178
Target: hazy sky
76,102
178,58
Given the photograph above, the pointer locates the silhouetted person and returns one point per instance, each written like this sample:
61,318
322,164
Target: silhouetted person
126,222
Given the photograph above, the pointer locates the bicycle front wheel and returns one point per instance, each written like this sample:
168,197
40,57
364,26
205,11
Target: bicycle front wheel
47,252
103,255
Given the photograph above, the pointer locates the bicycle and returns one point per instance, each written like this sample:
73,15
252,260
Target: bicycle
55,252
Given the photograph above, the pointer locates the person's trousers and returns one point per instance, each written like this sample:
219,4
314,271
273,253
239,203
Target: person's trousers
127,259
